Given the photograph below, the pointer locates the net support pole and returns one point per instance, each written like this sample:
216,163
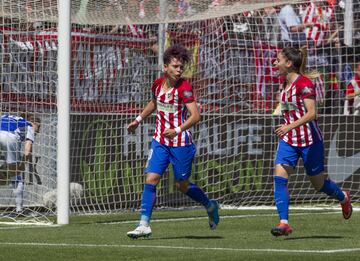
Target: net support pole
63,106
161,34
348,22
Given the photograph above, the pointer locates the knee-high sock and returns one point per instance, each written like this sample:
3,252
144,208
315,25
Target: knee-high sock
18,185
195,193
19,195
282,198
331,189
147,203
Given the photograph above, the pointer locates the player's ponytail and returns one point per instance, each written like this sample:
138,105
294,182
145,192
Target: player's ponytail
303,54
310,74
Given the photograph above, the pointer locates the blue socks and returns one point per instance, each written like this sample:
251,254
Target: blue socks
282,198
149,197
195,193
332,190
147,203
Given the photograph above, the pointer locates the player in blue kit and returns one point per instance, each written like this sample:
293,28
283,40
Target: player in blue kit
14,131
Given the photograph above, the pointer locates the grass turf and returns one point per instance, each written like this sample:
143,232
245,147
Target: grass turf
184,235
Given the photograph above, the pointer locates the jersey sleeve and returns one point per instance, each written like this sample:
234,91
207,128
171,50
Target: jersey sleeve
290,17
186,93
155,85
349,89
307,90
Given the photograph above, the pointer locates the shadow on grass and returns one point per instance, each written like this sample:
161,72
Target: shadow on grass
187,237
314,237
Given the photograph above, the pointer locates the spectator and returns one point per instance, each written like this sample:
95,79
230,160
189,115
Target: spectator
216,3
292,30
322,35
352,103
271,26
185,8
318,14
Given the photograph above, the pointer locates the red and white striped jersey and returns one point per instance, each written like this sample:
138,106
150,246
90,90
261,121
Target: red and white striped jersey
293,108
321,18
319,89
354,85
172,111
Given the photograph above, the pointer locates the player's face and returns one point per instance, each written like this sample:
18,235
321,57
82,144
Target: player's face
174,69
36,127
282,64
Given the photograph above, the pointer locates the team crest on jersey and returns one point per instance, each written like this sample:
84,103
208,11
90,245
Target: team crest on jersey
306,90
188,94
170,96
288,106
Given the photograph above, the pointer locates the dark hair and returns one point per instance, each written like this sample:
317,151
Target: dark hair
357,59
296,56
299,59
177,51
31,117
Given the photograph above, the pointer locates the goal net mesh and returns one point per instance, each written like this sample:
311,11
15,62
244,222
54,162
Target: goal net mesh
115,49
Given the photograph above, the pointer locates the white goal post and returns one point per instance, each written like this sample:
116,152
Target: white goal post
63,103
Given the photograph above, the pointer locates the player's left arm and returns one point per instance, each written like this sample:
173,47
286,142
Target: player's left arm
28,145
27,149
310,105
26,156
352,95
188,123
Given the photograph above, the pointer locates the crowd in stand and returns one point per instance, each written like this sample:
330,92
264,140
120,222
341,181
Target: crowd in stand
318,24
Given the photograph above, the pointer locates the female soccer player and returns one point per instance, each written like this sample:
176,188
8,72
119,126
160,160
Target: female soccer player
173,98
15,130
300,136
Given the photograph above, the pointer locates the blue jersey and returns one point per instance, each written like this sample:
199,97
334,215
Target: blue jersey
17,125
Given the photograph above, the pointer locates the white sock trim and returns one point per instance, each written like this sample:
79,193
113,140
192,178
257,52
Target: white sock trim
144,223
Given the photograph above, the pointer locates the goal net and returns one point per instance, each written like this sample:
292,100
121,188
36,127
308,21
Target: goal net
116,45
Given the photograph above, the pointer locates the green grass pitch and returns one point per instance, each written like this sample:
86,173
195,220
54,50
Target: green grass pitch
184,235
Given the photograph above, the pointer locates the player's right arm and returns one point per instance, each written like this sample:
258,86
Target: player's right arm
149,108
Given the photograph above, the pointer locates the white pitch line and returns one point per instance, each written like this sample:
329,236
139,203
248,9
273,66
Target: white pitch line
221,217
324,251
17,226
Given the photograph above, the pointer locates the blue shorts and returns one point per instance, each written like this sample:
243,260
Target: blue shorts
313,156
181,159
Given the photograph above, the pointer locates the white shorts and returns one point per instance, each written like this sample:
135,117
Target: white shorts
10,147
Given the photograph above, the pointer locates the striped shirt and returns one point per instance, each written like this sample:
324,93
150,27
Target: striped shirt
172,111
293,108
321,17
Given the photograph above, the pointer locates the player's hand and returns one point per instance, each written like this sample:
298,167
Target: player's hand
282,129
132,126
311,24
170,133
350,96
